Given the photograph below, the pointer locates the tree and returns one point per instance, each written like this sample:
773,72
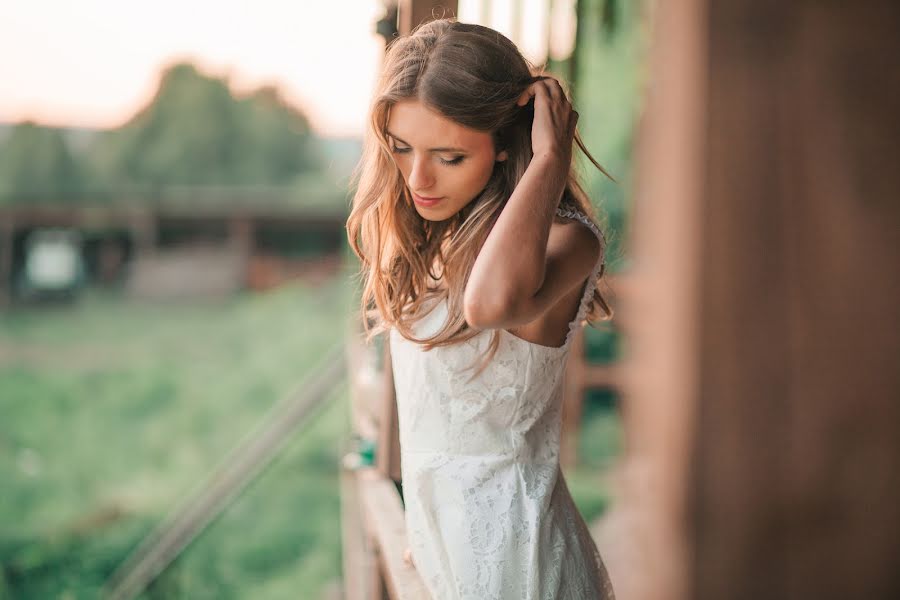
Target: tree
195,132
36,164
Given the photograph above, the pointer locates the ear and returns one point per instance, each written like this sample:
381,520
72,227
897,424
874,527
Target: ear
502,156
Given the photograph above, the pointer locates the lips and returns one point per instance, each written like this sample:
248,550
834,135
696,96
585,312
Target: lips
424,201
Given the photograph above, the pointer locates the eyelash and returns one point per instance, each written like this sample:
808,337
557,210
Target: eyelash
449,163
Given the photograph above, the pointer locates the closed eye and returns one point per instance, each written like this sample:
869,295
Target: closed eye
455,161
444,161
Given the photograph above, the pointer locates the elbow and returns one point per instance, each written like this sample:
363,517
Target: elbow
473,315
485,313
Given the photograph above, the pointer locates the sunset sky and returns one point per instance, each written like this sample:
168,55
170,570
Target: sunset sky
94,63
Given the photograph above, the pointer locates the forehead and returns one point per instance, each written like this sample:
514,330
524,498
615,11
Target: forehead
415,124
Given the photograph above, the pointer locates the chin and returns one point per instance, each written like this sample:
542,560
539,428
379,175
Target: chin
436,215
435,218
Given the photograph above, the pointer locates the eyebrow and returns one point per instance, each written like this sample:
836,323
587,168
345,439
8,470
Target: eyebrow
430,149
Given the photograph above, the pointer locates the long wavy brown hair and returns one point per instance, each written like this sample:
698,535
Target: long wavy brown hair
474,76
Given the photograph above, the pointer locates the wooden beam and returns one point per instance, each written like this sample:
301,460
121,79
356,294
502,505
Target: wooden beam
661,307
387,458
356,552
224,483
384,514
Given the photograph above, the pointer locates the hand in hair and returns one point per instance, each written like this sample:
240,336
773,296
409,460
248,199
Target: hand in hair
553,128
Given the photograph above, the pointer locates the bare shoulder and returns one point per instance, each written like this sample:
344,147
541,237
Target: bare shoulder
574,242
572,251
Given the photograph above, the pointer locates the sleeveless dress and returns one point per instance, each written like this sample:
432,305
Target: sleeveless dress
488,513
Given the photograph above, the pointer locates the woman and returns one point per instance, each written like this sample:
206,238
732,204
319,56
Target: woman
481,260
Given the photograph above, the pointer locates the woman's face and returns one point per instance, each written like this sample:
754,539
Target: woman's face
439,158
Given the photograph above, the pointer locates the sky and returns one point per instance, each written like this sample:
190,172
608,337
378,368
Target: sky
94,63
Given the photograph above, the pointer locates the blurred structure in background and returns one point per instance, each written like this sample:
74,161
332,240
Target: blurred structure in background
53,264
118,415
194,243
201,193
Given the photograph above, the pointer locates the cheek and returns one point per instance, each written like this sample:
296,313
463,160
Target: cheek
480,174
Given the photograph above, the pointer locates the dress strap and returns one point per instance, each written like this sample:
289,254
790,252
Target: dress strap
591,283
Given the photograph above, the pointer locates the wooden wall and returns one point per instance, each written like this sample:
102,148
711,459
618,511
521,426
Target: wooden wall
763,383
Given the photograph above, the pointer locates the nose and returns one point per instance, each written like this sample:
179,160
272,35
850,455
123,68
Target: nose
420,177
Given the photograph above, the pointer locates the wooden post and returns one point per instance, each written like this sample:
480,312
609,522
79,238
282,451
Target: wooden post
356,548
7,233
143,227
763,382
388,443
412,13
240,234
659,369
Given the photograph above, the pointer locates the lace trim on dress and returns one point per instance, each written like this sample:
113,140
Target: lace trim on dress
591,284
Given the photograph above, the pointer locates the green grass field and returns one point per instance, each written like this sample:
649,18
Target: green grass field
112,410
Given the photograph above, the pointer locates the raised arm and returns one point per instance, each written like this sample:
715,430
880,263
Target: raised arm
521,271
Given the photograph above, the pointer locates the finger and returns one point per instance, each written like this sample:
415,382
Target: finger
536,89
526,96
529,93
553,88
531,89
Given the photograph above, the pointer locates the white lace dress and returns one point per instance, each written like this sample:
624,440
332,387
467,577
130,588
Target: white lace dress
488,513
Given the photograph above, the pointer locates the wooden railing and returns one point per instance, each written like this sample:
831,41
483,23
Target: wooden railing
582,376
225,482
373,521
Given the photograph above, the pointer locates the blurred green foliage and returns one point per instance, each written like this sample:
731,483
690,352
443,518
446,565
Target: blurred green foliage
113,411
195,132
607,97
600,444
35,161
